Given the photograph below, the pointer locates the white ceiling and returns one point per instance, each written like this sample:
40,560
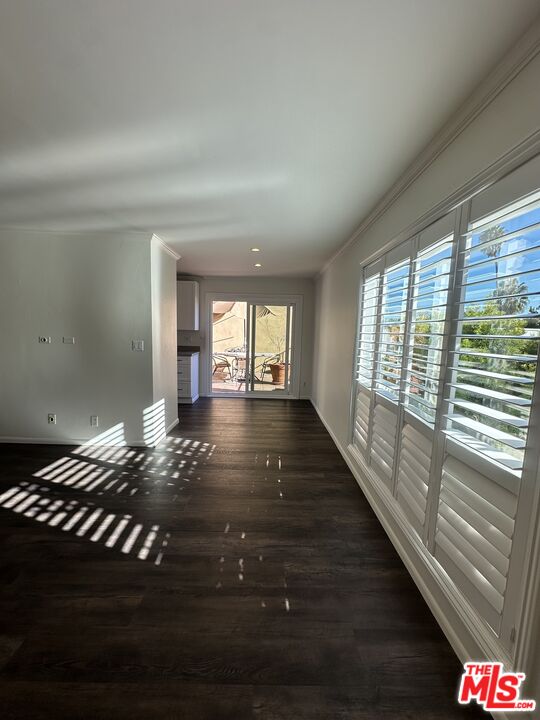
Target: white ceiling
223,125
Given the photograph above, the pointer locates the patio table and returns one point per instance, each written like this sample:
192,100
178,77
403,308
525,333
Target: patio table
242,355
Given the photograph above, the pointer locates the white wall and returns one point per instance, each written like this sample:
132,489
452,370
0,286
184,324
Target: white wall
510,118
97,289
163,270
262,286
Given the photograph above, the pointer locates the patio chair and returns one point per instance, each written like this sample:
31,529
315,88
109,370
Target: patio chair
274,360
221,363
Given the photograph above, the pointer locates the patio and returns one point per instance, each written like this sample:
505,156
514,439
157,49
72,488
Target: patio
221,383
230,351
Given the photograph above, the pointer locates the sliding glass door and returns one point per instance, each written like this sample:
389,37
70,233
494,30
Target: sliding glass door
270,348
252,348
229,346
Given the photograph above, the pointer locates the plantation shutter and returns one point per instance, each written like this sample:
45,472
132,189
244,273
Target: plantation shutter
367,334
389,360
383,441
473,540
426,339
393,316
482,511
425,344
495,358
447,395
413,475
380,357
361,419
367,331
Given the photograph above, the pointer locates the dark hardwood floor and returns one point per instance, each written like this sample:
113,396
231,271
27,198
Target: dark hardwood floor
235,572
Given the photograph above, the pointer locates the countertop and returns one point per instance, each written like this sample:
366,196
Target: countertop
187,350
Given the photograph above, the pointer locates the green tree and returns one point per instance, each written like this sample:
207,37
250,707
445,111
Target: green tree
498,335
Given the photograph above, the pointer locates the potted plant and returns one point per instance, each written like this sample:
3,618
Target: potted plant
276,364
278,373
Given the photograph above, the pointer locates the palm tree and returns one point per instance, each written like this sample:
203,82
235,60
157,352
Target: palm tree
509,298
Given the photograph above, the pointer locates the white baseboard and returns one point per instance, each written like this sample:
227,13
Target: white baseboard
188,400
69,441
53,441
173,424
6,440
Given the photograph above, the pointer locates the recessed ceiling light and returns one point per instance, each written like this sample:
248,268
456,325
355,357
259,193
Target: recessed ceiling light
258,265
255,249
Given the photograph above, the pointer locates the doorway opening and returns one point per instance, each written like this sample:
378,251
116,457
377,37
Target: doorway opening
252,347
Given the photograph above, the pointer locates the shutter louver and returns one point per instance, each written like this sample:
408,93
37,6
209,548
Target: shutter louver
473,539
392,330
413,476
361,420
447,390
430,284
495,358
383,443
367,330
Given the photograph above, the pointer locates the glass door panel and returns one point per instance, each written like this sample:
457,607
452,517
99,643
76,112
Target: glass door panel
230,357
270,369
289,347
251,348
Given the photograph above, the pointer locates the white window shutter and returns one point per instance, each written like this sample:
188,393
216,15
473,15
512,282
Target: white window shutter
383,442
367,329
425,347
391,330
473,539
496,347
365,354
413,475
428,317
447,391
361,419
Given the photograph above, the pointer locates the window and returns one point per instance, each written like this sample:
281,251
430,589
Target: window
491,324
448,346
366,340
392,330
427,328
495,358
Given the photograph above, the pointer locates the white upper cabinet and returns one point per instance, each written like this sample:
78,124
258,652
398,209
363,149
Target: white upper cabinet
187,308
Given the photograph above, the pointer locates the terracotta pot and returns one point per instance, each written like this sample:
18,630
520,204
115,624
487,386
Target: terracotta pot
278,373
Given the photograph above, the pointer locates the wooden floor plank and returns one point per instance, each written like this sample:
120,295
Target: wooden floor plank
236,571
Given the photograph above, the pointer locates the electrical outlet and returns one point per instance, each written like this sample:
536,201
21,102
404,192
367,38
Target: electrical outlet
51,419
44,340
94,421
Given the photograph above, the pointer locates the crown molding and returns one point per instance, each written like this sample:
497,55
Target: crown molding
167,248
525,50
90,232
506,163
